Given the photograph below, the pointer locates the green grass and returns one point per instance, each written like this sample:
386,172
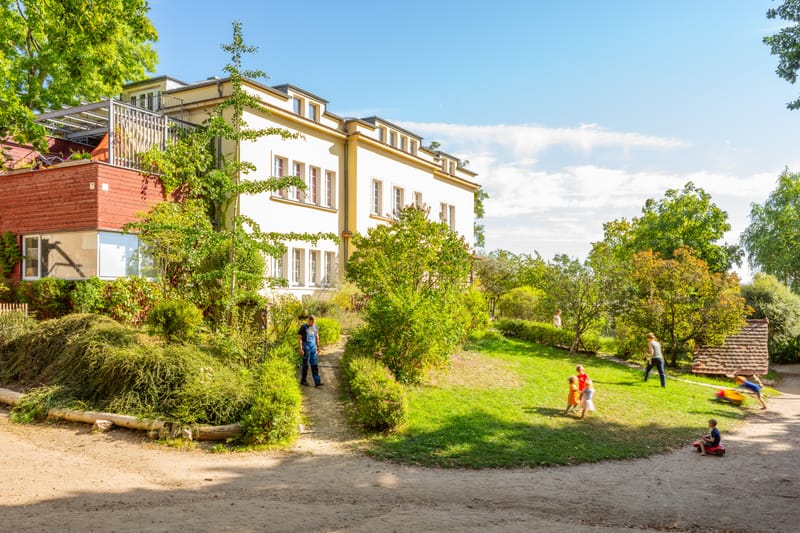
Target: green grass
501,405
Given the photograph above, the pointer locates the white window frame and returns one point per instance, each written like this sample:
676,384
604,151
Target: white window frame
330,269
392,138
298,170
313,112
279,166
330,189
298,267
376,205
297,105
313,268
313,195
451,218
418,201
398,194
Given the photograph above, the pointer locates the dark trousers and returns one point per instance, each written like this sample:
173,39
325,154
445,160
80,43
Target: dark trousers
657,362
310,360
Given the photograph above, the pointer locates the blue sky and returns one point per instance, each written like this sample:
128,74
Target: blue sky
573,112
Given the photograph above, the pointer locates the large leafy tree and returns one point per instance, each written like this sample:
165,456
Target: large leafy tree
786,43
772,239
682,300
683,218
59,53
415,273
773,300
579,291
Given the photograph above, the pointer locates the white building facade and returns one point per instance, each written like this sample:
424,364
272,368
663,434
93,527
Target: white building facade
358,174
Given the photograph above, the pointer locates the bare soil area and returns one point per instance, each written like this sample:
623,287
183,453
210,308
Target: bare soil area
62,477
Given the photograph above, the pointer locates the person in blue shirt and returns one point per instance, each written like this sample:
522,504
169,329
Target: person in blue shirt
308,344
711,439
752,387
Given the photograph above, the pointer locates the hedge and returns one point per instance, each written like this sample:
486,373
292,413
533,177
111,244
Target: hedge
379,401
329,331
543,333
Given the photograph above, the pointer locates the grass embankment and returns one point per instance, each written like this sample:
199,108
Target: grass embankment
501,405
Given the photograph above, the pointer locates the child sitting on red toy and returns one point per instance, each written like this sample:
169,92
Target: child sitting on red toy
711,439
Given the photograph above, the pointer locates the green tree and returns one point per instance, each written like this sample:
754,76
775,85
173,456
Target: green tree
415,273
579,292
786,43
56,54
526,303
772,239
773,300
682,300
680,219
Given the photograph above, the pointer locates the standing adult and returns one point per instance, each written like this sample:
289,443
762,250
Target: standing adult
655,359
557,318
308,344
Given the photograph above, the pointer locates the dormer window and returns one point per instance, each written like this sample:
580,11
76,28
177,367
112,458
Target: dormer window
412,147
392,138
313,112
297,105
403,143
382,134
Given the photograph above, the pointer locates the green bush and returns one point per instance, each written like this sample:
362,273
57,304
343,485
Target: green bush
329,331
275,411
379,402
175,320
14,324
476,310
109,367
87,296
522,302
10,253
128,300
46,297
543,333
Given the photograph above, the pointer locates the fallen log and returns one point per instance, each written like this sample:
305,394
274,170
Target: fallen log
217,432
10,397
90,417
155,428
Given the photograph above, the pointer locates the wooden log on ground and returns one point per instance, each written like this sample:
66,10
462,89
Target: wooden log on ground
10,397
217,432
90,417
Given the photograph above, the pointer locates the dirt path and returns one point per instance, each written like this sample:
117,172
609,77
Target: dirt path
64,478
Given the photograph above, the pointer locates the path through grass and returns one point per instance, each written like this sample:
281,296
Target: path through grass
502,403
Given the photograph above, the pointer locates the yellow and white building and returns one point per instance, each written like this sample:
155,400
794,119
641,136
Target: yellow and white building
358,171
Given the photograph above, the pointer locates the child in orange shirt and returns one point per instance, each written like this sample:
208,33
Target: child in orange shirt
573,396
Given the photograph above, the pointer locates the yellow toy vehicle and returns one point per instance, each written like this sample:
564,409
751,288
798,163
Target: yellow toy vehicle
731,396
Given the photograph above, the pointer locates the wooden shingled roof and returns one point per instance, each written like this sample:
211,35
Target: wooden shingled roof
743,353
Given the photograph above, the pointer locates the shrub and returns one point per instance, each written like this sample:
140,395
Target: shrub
14,324
175,320
87,296
127,300
10,253
543,333
522,303
282,313
329,331
476,310
46,297
379,402
275,411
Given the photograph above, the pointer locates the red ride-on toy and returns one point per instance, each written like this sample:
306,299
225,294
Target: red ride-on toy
730,396
711,450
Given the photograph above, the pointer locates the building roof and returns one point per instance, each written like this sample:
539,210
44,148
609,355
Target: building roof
743,353
286,86
149,81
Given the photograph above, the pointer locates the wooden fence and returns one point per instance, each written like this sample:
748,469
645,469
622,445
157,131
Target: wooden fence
13,308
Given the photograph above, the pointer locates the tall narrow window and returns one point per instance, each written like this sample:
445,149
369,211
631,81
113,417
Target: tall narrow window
297,171
31,256
392,138
412,147
313,185
313,112
330,188
330,268
418,200
297,266
403,143
452,217
443,211
382,134
397,200
279,171
297,105
277,268
377,200
313,267
452,168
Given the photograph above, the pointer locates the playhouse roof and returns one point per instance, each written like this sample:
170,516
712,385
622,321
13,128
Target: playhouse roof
745,352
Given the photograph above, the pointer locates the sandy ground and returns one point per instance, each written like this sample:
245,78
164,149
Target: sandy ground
62,477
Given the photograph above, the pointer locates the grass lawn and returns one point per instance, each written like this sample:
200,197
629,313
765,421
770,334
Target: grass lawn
501,405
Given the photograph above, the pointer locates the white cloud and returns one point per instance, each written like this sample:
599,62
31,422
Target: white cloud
561,207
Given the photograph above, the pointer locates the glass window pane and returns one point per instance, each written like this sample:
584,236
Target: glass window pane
31,267
118,255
